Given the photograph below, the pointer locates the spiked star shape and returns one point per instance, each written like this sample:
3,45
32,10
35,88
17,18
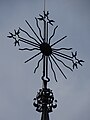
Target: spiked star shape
42,43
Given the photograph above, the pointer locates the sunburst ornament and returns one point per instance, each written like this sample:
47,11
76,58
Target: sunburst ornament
42,44
44,101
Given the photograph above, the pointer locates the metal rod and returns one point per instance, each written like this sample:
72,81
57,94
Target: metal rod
32,57
62,56
33,31
44,5
29,35
47,33
52,69
44,31
47,67
62,62
39,28
53,34
28,42
38,64
58,41
28,49
43,67
58,49
59,67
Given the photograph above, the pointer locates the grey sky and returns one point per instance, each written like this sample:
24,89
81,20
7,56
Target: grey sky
18,83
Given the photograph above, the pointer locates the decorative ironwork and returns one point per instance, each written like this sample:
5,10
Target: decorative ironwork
44,101
44,97
44,46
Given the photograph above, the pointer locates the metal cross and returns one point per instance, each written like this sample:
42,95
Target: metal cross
43,44
44,101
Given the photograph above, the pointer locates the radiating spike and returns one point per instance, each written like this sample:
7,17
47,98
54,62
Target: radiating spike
28,41
62,62
38,64
33,30
61,49
32,57
28,49
59,68
53,69
58,41
53,34
62,56
29,35
39,28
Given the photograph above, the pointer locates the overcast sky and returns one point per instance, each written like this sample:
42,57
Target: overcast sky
18,83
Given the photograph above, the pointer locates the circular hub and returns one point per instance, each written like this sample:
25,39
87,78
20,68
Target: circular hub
46,49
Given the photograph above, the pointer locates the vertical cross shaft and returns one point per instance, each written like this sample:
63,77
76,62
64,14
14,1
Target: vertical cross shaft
45,60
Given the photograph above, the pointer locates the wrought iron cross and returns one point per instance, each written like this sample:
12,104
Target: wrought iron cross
44,46
42,43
